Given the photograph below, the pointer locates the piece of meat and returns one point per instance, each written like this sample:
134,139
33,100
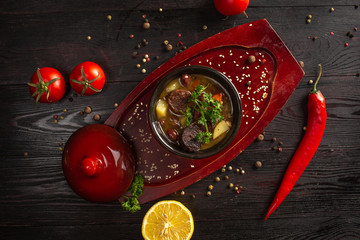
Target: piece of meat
188,138
178,100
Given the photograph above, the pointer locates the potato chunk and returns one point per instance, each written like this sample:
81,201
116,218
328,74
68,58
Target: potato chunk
161,109
220,128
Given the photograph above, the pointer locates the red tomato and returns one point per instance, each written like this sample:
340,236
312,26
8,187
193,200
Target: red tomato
47,85
87,78
231,7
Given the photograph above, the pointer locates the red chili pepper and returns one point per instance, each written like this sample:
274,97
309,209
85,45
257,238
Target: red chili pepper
307,148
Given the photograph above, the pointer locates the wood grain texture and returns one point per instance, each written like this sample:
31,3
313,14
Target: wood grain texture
35,199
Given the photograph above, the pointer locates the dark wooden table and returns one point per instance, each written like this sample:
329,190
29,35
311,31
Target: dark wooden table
35,199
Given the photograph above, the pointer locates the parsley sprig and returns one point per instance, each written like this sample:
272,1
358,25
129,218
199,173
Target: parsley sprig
131,203
209,109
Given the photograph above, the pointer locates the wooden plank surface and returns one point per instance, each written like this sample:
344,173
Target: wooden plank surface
37,203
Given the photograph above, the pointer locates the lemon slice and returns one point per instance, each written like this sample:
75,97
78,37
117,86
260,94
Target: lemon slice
167,220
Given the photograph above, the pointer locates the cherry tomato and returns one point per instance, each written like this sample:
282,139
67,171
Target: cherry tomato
47,85
231,7
87,78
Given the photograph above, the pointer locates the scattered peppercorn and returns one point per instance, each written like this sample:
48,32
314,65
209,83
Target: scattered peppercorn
134,54
87,110
210,187
251,59
208,193
304,128
157,57
97,117
109,17
260,137
355,29
346,44
26,154
146,25
274,148
331,33
193,196
226,177
274,139
131,36
60,149
55,121
310,82
65,110
55,116
280,149
168,47
314,38
61,117
258,164
217,179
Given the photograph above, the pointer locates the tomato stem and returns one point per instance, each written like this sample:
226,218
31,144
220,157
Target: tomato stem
245,14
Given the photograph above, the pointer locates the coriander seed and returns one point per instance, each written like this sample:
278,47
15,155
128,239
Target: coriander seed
146,25
168,47
97,117
310,82
223,169
143,70
242,171
88,37
237,170
260,137
230,168
251,59
231,185
182,193
204,27
226,177
109,17
217,179
208,193
332,9
258,164
210,187
87,110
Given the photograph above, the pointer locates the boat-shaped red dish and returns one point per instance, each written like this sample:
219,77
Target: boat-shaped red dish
264,87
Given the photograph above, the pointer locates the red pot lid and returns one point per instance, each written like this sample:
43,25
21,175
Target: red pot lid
98,163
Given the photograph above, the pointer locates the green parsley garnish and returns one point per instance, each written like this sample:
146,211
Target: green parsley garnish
209,109
131,203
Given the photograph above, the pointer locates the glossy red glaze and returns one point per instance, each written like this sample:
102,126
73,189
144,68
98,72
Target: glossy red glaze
273,77
98,163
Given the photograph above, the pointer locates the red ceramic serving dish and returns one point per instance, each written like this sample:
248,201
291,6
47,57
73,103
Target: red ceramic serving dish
264,86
